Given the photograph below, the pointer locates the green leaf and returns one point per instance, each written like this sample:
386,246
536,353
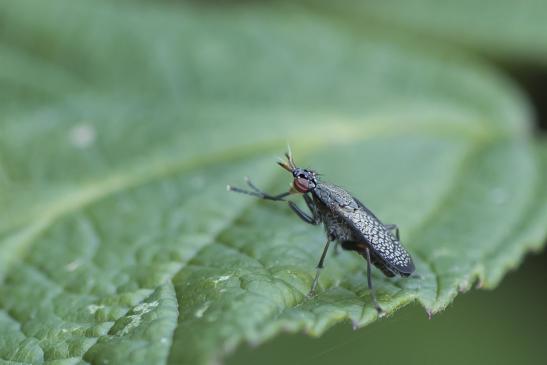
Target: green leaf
514,31
118,240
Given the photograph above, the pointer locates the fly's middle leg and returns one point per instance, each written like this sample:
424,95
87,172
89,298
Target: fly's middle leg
318,269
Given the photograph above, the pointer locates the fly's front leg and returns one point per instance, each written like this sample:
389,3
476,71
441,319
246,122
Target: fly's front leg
393,227
301,214
314,218
257,192
313,208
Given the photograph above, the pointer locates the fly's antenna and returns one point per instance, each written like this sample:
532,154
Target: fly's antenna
283,164
288,165
288,155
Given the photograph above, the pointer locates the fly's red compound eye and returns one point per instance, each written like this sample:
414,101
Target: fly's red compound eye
301,185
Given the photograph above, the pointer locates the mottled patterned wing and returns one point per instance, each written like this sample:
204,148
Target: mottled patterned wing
366,225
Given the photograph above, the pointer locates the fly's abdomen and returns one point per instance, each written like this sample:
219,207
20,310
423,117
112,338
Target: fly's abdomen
363,226
391,252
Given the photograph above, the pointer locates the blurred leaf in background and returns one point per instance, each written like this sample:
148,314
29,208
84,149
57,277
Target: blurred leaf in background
511,31
122,122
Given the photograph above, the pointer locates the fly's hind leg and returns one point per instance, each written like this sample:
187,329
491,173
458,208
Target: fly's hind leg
369,281
394,228
364,251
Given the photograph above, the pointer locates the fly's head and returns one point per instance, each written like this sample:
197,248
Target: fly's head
304,180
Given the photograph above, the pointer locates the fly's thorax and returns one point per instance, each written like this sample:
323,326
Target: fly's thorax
335,226
338,229
334,197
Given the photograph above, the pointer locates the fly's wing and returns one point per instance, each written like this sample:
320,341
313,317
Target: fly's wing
366,225
383,241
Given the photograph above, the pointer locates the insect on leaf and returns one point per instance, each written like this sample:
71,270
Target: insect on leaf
118,134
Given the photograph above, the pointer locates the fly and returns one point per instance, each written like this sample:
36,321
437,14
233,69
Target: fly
346,220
